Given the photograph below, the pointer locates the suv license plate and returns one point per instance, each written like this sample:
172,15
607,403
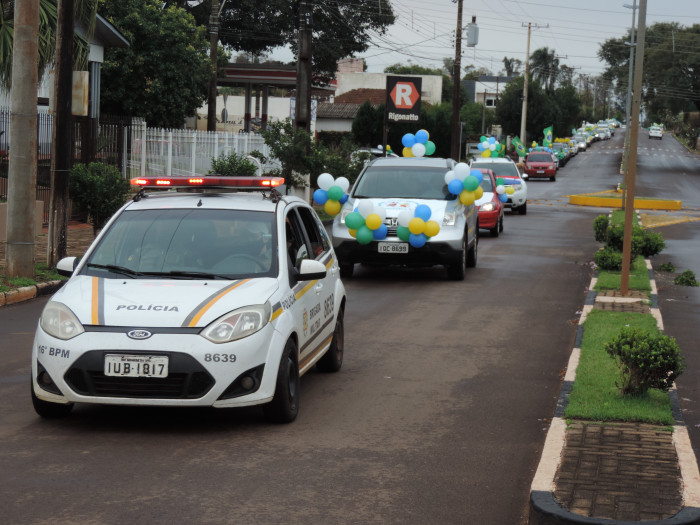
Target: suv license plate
122,365
393,247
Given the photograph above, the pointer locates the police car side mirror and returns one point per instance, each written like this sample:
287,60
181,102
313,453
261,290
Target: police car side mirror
67,266
310,269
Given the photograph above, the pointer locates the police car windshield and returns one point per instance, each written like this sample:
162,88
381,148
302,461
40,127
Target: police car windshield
196,244
403,182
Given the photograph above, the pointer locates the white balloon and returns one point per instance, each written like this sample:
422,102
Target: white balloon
343,183
492,147
404,218
325,181
450,175
418,149
500,189
381,212
365,208
461,170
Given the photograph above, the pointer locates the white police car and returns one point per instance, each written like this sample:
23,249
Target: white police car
205,298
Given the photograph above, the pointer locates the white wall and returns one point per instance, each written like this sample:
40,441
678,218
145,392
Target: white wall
278,108
329,124
431,86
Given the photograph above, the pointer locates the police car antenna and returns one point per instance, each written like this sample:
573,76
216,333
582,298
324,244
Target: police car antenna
140,195
275,196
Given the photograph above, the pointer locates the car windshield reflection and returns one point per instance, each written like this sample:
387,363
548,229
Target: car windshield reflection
403,182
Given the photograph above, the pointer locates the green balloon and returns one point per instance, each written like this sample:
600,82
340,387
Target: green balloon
500,181
403,233
335,193
364,235
471,183
429,147
354,220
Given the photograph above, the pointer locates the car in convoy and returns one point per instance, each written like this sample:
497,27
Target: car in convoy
540,164
506,169
561,151
199,297
393,185
580,141
656,132
491,209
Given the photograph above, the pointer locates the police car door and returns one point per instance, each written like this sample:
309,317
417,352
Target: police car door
314,299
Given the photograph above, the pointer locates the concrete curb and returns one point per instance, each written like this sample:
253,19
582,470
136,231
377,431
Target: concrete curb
616,202
544,507
26,293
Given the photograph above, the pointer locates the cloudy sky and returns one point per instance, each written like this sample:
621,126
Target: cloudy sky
424,30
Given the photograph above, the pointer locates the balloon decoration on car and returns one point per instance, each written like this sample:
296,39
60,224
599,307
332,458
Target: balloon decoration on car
490,147
502,190
464,183
416,227
366,223
417,145
331,193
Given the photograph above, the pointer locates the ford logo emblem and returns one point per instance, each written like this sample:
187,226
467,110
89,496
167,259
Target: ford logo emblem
139,334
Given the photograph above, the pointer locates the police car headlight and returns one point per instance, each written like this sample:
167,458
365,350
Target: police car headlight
238,324
487,207
59,321
450,218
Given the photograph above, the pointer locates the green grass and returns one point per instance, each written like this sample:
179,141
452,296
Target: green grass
41,274
618,217
638,278
595,395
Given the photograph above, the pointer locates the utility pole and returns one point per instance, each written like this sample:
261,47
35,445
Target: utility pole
61,161
302,109
455,143
628,105
523,120
21,193
634,135
213,54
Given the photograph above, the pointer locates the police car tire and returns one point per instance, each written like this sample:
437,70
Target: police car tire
49,410
284,406
332,360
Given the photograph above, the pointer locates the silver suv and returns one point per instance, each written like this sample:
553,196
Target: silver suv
394,185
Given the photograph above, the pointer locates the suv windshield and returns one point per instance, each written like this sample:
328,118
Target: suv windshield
403,182
500,169
187,243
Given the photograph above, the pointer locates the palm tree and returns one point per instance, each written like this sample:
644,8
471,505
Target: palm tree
545,67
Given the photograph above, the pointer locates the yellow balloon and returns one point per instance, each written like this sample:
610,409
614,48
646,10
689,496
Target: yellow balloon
353,233
478,193
486,153
466,197
510,190
332,207
416,226
407,152
432,228
373,221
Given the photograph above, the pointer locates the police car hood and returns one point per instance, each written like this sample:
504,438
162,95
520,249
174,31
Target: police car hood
159,302
394,206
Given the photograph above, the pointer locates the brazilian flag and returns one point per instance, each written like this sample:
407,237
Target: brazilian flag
519,148
547,142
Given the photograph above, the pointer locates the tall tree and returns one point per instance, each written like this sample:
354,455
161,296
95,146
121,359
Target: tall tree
541,112
544,65
512,66
341,28
163,76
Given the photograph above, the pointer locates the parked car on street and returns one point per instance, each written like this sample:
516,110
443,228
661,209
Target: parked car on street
541,164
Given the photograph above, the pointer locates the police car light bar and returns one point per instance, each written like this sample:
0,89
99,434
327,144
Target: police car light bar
250,183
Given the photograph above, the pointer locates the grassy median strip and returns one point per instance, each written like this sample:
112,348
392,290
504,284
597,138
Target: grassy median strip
638,279
41,274
595,395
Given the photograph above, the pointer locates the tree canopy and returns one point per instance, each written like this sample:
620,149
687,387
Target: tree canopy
163,76
341,28
671,80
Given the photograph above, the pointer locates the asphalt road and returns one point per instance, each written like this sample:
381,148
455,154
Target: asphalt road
438,415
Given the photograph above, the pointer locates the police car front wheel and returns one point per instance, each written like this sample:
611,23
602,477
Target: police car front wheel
49,410
284,406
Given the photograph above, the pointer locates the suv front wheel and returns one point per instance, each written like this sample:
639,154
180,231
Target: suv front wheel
457,271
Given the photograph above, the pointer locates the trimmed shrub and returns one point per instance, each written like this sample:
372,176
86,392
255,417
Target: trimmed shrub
97,190
233,165
608,259
600,228
644,242
687,278
652,243
667,267
647,360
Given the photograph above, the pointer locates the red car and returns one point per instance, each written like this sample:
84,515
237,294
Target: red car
491,209
540,164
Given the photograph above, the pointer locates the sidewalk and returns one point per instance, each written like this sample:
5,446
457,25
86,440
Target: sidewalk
615,473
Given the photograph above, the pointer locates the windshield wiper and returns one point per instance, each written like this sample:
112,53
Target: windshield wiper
182,273
116,269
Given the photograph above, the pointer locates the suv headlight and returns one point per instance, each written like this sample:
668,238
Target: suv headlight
238,324
59,321
450,218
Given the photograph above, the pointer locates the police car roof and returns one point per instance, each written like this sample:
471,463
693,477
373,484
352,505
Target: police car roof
252,201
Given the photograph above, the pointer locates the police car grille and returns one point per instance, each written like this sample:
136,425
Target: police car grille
186,380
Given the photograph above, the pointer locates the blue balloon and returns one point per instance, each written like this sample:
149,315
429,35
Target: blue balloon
455,187
422,136
503,197
344,198
492,140
478,174
381,232
408,140
417,241
320,196
423,212
481,146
